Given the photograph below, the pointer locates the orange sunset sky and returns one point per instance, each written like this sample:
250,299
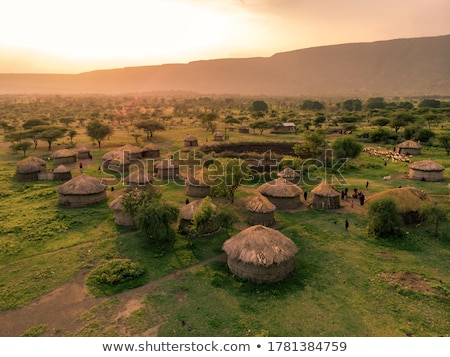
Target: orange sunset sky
73,36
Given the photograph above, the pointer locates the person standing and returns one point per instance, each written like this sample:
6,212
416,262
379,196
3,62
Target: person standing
346,224
81,167
305,195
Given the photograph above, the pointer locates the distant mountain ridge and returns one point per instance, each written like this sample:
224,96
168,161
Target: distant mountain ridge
401,67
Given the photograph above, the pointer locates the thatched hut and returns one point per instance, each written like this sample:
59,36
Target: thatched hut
260,211
62,173
139,179
190,141
409,147
260,254
244,129
150,151
29,168
116,160
80,191
131,151
167,169
121,217
218,136
326,196
282,193
426,170
187,214
64,157
198,185
408,201
84,153
289,174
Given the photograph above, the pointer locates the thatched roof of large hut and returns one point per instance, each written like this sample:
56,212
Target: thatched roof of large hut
289,174
409,144
81,185
63,153
325,189
190,138
260,246
132,149
427,165
200,178
280,188
30,164
117,204
116,156
83,149
61,169
260,204
139,177
187,212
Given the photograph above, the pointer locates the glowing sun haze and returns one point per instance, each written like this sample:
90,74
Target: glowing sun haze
73,36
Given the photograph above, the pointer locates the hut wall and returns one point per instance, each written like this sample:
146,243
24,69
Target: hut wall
266,219
197,191
84,155
124,219
81,200
151,154
27,177
62,176
426,175
262,274
168,173
326,202
64,160
410,151
285,203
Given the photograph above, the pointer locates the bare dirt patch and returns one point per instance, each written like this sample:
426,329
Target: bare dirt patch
413,282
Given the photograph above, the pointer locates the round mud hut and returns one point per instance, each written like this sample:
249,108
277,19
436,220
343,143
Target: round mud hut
409,147
290,174
116,160
187,214
325,196
131,152
167,169
64,157
62,173
190,141
426,170
408,201
81,191
198,185
260,211
28,169
121,217
244,129
139,179
260,254
218,136
150,151
84,153
284,194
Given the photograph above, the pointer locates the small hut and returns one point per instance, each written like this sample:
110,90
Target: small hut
408,201
64,157
260,254
167,169
28,169
84,153
131,151
218,136
150,151
244,129
190,141
187,214
290,174
116,160
282,193
139,179
426,170
260,211
121,217
80,191
326,196
409,147
198,185
62,173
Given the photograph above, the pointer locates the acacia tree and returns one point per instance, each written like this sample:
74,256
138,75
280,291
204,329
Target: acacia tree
434,214
21,146
98,131
149,126
444,140
50,134
313,145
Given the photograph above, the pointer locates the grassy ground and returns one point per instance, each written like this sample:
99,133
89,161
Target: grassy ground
344,284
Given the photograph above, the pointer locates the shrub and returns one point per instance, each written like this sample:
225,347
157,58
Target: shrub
384,219
115,272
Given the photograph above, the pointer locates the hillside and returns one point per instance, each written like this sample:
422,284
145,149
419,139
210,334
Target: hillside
402,67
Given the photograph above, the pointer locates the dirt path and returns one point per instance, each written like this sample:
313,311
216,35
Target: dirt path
62,308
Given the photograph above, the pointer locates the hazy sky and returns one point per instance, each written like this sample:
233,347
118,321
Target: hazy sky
72,36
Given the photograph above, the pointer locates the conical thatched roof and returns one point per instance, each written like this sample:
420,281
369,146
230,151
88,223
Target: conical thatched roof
61,169
130,148
190,138
30,164
81,185
116,156
280,188
407,199
200,178
139,177
288,173
63,153
83,149
426,165
409,144
149,146
188,211
325,189
116,204
260,204
260,246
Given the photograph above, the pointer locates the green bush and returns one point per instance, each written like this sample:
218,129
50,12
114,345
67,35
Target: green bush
385,219
115,272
